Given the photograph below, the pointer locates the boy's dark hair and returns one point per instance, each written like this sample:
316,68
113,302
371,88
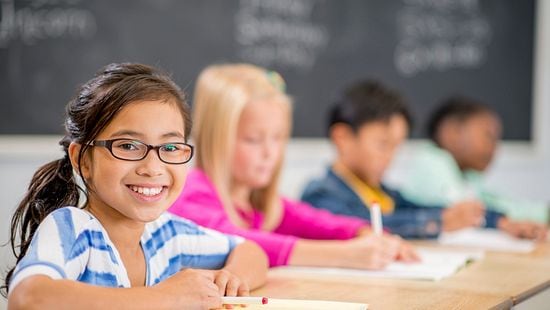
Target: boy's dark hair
367,101
458,108
98,101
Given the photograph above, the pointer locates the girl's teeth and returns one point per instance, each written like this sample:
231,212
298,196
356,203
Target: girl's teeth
147,191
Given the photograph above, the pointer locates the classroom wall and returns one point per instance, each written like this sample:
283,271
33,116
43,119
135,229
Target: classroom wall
521,169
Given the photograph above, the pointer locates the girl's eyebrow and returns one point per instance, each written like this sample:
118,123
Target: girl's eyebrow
132,133
126,132
172,134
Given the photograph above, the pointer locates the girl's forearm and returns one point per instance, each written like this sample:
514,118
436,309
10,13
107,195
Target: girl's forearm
249,262
42,292
318,253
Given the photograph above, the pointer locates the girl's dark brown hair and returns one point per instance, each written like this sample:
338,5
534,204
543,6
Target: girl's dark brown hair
99,100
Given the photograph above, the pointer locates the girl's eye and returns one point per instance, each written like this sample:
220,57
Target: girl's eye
128,146
170,148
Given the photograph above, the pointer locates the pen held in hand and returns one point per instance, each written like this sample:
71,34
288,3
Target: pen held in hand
376,218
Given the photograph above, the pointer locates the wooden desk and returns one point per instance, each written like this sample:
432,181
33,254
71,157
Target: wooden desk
499,280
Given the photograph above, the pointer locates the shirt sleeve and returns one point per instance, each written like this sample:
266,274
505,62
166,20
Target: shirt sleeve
413,220
407,220
226,239
206,210
433,179
322,194
179,243
50,252
516,209
303,220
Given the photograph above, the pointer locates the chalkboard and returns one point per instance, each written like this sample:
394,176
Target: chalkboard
427,49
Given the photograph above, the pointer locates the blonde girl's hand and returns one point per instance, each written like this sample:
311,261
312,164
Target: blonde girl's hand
369,252
191,289
406,251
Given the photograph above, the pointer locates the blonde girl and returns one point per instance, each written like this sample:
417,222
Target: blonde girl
243,118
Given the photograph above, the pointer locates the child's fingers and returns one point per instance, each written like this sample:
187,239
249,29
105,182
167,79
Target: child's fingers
411,255
243,290
232,286
221,281
538,232
377,262
474,218
543,233
213,302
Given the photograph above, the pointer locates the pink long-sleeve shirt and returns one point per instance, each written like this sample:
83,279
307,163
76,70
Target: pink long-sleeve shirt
200,202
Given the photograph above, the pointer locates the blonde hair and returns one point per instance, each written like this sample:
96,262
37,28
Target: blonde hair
221,94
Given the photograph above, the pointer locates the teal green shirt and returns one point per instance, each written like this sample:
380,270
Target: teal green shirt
434,178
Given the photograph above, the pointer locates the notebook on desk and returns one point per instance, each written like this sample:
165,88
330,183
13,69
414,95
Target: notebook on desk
288,304
487,239
434,265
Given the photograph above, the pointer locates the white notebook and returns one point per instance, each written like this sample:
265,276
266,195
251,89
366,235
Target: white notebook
487,239
434,265
287,304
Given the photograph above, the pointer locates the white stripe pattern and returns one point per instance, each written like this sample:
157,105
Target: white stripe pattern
71,244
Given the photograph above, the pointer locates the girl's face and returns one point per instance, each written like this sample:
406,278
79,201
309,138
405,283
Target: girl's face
259,145
137,190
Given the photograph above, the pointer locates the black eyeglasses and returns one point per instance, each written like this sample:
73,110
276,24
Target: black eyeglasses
135,150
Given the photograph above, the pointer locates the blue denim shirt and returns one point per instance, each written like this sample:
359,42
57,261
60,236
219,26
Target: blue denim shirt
409,220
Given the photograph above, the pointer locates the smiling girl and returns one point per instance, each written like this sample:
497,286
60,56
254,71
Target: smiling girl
126,143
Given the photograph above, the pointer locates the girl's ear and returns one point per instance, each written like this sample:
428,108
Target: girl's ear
74,152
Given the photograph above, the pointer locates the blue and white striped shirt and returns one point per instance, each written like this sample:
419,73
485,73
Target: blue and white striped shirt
72,244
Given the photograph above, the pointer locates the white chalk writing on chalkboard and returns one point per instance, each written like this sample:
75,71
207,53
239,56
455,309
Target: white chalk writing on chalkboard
279,33
440,35
41,20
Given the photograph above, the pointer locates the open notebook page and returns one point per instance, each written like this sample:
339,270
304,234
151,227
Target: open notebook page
487,239
434,265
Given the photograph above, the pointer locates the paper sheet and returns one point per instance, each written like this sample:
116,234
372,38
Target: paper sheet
487,239
434,265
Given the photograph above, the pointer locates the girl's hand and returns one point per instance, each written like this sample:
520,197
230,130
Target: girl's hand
191,289
406,252
229,284
369,251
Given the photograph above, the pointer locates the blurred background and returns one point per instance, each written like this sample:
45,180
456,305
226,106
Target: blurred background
497,51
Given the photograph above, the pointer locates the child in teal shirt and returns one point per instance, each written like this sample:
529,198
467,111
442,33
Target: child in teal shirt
366,127
464,136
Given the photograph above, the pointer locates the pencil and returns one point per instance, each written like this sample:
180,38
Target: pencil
244,300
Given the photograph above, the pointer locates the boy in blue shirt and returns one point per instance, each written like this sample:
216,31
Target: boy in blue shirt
366,127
